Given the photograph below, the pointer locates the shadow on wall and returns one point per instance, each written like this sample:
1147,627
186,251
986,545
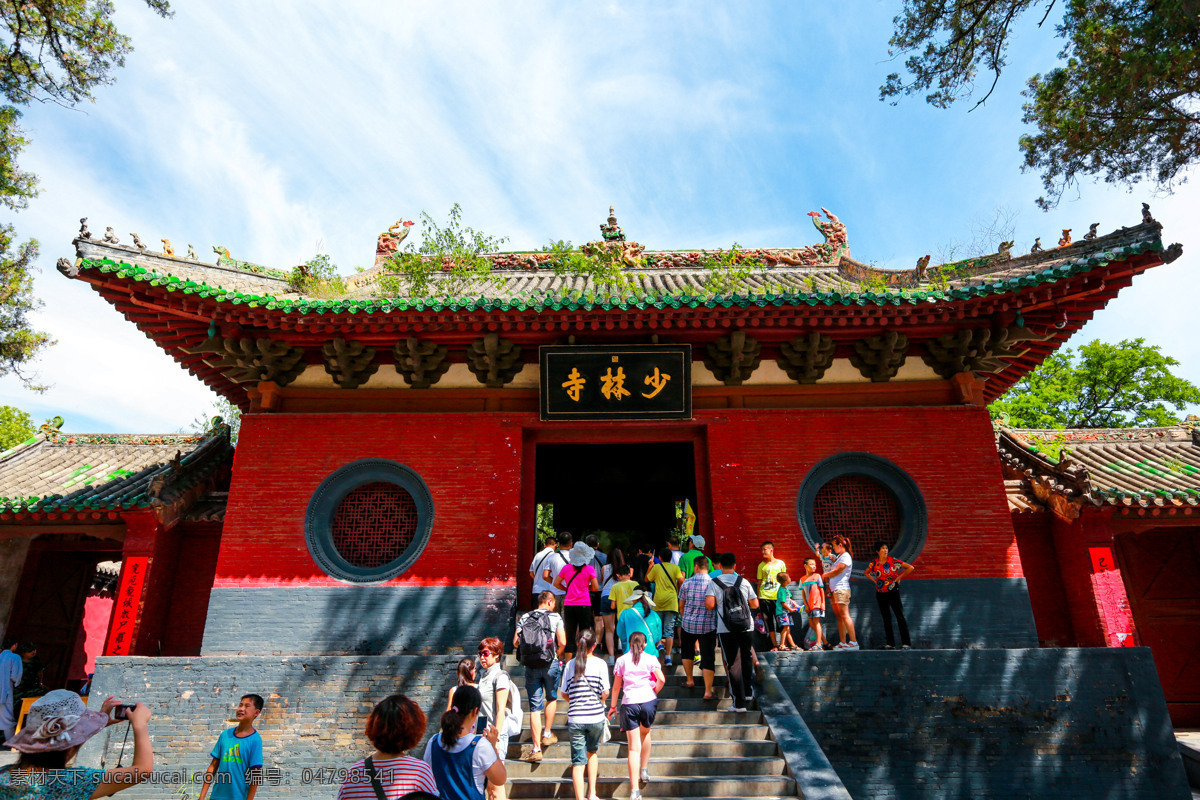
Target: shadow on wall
990,723
312,725
355,620
961,613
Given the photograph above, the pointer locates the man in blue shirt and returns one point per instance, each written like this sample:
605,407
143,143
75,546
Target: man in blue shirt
237,756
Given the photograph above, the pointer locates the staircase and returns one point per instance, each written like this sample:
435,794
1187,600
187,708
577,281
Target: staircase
701,749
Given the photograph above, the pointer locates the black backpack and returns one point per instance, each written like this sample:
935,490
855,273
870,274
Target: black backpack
536,637
735,610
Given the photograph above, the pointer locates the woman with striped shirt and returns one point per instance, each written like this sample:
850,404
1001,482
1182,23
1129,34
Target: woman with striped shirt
394,728
585,687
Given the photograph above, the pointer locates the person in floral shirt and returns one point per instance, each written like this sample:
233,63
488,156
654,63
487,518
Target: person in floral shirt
886,573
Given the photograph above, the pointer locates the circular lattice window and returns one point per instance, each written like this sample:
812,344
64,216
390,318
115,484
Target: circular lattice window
369,521
867,499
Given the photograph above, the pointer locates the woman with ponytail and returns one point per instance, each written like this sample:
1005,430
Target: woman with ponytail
838,580
641,678
461,762
585,686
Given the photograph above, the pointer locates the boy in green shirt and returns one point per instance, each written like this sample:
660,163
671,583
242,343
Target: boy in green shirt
768,586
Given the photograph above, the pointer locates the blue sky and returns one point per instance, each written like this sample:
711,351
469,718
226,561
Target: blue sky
277,131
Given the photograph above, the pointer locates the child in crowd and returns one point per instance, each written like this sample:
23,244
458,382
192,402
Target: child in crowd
620,591
784,606
812,595
465,675
238,755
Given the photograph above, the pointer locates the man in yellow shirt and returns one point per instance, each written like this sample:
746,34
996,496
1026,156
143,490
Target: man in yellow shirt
666,578
768,586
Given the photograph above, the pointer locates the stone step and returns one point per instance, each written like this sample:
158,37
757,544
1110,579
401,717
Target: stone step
516,670
703,714
745,729
668,748
660,766
672,701
747,786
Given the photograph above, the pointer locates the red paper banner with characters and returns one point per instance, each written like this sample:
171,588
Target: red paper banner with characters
125,609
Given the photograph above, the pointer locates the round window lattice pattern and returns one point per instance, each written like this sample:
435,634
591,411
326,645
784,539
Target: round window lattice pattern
866,498
859,509
374,525
369,521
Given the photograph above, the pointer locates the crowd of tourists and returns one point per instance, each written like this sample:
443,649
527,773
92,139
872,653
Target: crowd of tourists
603,632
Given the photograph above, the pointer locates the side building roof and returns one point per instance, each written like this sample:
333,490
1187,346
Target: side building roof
94,476
1129,469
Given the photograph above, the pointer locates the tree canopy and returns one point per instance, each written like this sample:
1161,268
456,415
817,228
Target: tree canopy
1101,385
1123,103
53,51
15,427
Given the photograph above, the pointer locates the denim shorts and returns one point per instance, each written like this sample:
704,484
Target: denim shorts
585,738
668,623
542,681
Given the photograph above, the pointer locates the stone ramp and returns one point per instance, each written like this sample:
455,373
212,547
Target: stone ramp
1045,723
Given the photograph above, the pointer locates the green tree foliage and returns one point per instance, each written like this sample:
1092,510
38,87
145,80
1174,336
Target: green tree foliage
53,51
1101,385
226,411
15,426
1123,103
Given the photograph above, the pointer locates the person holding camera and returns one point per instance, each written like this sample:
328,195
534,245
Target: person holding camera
236,766
56,727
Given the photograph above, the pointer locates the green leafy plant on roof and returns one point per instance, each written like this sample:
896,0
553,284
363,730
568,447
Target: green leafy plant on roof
1176,465
317,277
728,270
453,252
1052,447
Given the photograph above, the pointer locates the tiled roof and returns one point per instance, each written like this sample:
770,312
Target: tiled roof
1119,467
56,471
675,279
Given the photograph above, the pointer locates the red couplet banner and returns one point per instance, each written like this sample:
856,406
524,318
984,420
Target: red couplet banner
125,609
1102,559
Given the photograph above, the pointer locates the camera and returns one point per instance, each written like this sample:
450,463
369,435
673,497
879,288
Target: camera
122,711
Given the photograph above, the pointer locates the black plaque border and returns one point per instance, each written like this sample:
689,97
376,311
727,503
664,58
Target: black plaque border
682,350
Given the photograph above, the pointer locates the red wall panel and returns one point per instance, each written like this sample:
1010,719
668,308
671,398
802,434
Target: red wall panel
472,465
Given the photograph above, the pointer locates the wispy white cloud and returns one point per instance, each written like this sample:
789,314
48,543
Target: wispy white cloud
268,128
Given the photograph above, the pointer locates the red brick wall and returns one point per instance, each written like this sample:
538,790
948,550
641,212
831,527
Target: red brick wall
192,584
472,465
1044,578
759,458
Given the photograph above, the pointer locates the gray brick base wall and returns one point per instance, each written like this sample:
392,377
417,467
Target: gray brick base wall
353,620
1047,723
312,725
992,613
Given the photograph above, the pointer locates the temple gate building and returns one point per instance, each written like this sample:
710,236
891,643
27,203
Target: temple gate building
395,448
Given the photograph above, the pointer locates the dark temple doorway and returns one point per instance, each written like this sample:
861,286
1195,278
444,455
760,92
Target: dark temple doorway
626,494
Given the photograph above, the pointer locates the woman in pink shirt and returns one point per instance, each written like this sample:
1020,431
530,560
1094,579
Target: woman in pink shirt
641,677
578,579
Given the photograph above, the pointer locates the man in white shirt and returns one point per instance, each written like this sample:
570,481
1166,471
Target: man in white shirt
554,565
676,553
735,644
539,564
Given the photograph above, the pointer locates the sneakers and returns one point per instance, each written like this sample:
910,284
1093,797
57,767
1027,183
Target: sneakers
740,709
549,739
669,662
905,647
645,776
635,795
846,646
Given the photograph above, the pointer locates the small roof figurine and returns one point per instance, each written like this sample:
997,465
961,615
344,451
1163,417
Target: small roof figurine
612,231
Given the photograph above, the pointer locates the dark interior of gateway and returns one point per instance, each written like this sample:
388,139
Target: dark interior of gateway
626,494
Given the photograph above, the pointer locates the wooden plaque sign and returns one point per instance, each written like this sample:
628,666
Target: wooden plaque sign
632,382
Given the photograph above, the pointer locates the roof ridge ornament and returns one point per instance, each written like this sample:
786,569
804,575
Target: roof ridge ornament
612,231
